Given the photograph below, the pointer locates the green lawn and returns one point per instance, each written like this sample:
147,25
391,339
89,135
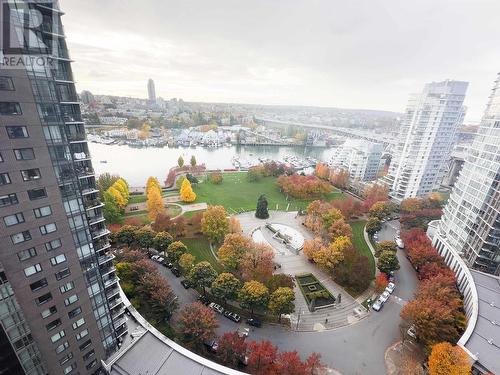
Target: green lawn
134,199
358,240
190,214
200,248
236,194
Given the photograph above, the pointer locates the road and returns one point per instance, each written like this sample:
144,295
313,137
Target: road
353,350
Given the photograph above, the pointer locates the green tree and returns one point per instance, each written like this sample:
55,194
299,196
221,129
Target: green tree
202,275
387,262
385,246
226,286
253,295
373,225
145,237
111,211
281,302
180,161
127,235
175,251
215,223
179,182
261,212
193,161
105,181
162,241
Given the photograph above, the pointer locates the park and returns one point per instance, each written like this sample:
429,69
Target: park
290,250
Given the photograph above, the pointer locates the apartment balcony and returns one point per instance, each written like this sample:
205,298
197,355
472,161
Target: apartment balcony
117,313
99,233
84,171
119,322
121,330
91,204
107,270
105,258
89,190
110,293
101,246
96,219
111,281
115,303
81,156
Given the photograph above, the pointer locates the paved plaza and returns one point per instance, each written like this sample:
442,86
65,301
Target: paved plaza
302,319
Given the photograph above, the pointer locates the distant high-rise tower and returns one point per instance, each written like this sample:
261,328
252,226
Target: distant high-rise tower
426,137
470,224
151,91
60,305
87,97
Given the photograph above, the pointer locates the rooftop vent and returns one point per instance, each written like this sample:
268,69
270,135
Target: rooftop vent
490,341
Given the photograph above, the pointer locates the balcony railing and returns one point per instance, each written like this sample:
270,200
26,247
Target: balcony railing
92,203
99,233
76,137
115,303
121,331
107,270
111,281
105,258
110,293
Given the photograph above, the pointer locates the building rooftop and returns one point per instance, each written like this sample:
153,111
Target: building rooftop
146,351
484,342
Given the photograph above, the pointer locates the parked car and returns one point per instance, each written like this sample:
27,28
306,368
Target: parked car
216,307
377,305
160,259
211,345
392,276
186,284
390,287
169,265
254,322
243,332
232,316
412,331
176,272
384,297
203,299
400,243
155,257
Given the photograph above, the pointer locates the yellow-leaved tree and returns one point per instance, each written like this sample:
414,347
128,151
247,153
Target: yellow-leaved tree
118,197
329,256
446,359
187,193
155,204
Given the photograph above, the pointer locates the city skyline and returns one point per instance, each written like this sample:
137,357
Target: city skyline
246,55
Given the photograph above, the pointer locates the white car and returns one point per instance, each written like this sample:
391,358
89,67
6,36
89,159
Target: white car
216,307
155,257
377,305
390,287
412,331
384,297
400,243
160,259
243,331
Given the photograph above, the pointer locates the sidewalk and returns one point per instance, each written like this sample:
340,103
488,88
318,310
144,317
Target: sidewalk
404,359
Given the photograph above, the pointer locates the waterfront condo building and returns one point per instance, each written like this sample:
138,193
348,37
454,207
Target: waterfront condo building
470,224
426,137
361,158
60,305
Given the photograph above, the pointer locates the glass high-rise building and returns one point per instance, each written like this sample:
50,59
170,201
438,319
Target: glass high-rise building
426,138
60,307
151,91
470,224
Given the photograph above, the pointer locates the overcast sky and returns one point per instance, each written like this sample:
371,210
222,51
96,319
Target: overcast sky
350,53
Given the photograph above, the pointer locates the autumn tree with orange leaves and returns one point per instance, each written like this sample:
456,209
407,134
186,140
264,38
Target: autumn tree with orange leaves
446,359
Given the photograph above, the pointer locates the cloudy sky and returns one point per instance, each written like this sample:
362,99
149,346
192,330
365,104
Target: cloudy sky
353,54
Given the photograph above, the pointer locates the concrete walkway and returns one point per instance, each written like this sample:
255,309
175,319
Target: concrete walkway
302,319
171,201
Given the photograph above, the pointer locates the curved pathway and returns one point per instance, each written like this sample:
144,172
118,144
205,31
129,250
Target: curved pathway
349,311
